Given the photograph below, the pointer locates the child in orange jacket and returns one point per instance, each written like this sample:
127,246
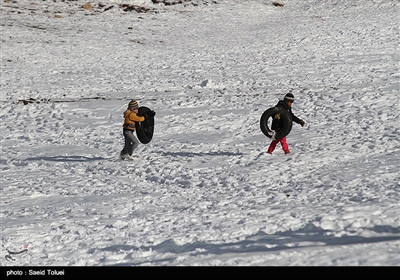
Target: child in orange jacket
131,142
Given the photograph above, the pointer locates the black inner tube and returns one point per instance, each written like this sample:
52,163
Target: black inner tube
145,129
285,117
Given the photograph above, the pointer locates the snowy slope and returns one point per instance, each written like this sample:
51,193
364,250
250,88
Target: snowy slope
203,191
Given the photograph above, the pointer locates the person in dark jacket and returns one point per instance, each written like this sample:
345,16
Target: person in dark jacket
277,123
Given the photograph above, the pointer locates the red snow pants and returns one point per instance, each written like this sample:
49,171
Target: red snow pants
284,145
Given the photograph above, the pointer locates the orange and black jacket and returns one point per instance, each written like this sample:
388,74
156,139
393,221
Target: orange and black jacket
130,119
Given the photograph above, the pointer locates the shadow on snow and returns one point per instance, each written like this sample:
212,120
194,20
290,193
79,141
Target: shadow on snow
199,154
307,237
66,158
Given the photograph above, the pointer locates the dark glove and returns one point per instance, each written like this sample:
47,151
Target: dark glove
302,123
145,116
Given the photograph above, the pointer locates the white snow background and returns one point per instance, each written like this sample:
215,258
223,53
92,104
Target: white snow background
203,192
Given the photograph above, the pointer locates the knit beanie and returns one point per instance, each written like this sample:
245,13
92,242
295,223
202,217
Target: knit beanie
289,97
133,104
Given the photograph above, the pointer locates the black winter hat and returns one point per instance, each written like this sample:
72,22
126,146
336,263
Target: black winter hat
289,97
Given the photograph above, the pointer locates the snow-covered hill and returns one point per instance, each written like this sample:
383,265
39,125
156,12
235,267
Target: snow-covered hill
203,191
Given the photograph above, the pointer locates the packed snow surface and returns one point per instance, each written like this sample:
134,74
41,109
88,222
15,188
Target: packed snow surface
203,192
